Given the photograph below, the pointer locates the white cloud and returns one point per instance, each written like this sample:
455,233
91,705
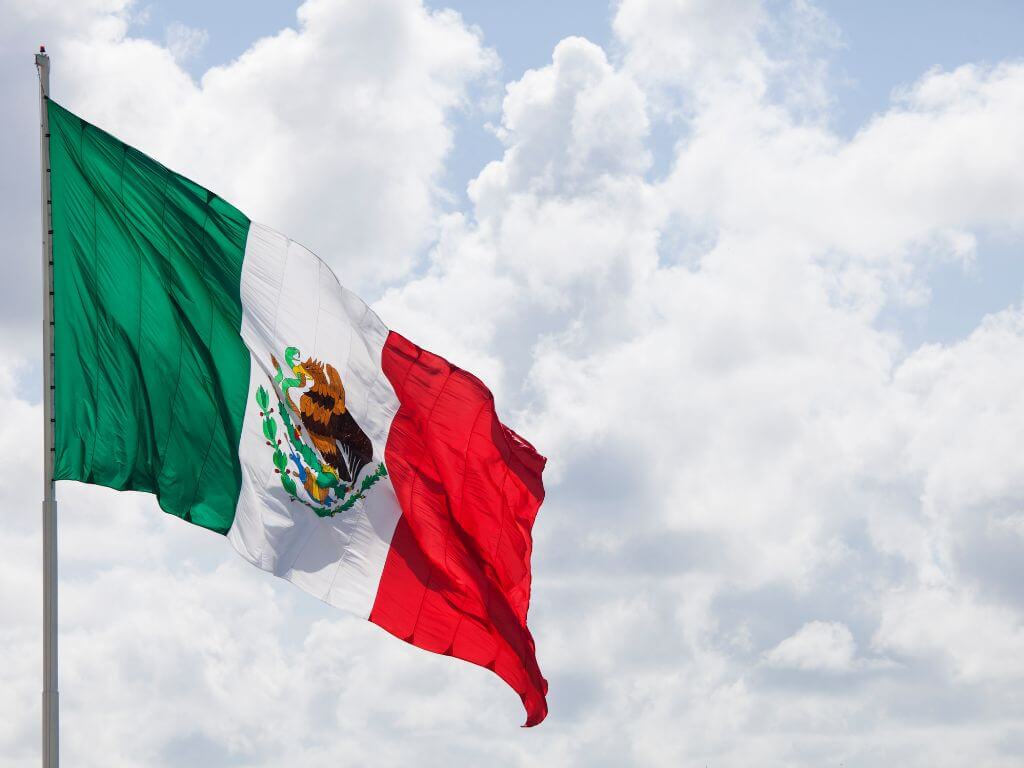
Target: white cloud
818,645
977,640
689,43
185,42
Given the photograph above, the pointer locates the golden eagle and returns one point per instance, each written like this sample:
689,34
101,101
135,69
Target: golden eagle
341,442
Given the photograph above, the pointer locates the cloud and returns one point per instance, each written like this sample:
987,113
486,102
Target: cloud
818,645
691,42
974,638
184,42
759,494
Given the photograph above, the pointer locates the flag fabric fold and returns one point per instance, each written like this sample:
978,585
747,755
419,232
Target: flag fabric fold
221,366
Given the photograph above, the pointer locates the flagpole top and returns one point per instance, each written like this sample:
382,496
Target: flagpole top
43,65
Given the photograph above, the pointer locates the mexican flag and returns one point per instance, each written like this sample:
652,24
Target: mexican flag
215,363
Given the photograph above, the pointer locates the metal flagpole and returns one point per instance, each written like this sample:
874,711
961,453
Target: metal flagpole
50,704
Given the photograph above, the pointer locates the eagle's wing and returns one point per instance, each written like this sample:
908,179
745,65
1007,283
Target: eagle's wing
336,387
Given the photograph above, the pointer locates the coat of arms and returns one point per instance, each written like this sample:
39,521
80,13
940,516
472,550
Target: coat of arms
319,450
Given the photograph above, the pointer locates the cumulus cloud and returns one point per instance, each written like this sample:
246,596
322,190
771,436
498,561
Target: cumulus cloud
185,42
818,645
973,638
775,533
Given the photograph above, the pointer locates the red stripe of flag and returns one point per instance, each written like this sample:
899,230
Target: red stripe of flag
457,577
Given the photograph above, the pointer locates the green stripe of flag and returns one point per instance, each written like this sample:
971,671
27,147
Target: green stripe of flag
151,374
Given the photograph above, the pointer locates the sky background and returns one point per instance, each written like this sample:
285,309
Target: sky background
749,274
